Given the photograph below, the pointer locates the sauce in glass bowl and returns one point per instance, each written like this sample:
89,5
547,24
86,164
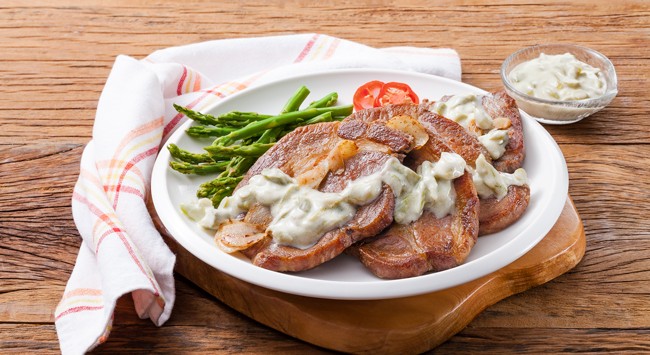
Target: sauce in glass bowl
559,83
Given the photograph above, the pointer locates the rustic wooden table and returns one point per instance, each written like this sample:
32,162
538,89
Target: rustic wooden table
55,58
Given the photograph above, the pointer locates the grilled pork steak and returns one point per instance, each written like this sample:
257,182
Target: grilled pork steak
296,153
370,125
497,105
429,243
388,249
500,104
495,215
368,221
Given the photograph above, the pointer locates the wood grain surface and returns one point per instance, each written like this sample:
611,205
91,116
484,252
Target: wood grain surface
55,57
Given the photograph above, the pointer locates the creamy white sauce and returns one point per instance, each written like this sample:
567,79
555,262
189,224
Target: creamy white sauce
495,142
301,215
200,211
489,182
467,110
558,77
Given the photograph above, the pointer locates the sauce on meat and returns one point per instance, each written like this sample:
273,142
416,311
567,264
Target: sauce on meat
495,142
468,111
301,215
490,182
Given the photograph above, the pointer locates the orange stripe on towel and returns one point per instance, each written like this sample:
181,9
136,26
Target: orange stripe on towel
83,292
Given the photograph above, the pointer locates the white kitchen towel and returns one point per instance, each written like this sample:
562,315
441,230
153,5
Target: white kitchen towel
121,250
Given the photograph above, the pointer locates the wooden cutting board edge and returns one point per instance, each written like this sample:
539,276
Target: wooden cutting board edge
412,324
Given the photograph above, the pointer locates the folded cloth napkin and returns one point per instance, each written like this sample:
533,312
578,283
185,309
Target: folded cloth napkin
121,251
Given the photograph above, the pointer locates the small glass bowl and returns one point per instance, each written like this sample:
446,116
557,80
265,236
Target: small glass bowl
556,111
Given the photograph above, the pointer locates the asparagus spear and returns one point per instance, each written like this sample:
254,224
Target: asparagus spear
232,118
255,128
205,131
327,101
188,157
240,118
221,184
296,100
323,117
199,169
250,150
243,128
227,181
197,116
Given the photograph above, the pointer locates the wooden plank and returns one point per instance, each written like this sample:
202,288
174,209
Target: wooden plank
74,56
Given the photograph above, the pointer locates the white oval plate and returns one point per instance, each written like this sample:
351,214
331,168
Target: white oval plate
345,277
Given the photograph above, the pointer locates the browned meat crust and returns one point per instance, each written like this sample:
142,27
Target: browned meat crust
368,221
428,244
468,146
370,125
295,153
496,215
298,151
455,136
502,105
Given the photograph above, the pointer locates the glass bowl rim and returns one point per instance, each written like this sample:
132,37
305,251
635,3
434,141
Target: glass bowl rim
609,94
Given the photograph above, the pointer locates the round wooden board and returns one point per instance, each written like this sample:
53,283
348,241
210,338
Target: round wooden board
412,324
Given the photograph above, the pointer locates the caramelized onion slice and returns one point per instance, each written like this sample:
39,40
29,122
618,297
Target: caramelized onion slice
234,236
502,123
334,161
410,126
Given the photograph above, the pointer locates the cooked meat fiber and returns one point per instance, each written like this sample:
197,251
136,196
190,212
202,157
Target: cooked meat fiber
428,244
298,151
379,134
500,104
368,221
295,153
370,125
495,215
455,137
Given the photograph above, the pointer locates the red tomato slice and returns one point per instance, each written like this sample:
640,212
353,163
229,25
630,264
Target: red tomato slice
366,94
395,93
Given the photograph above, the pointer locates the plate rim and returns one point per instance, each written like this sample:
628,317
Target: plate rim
354,290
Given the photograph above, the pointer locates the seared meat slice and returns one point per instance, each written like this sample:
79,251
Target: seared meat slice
500,105
494,215
368,221
370,125
296,153
429,243
449,132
